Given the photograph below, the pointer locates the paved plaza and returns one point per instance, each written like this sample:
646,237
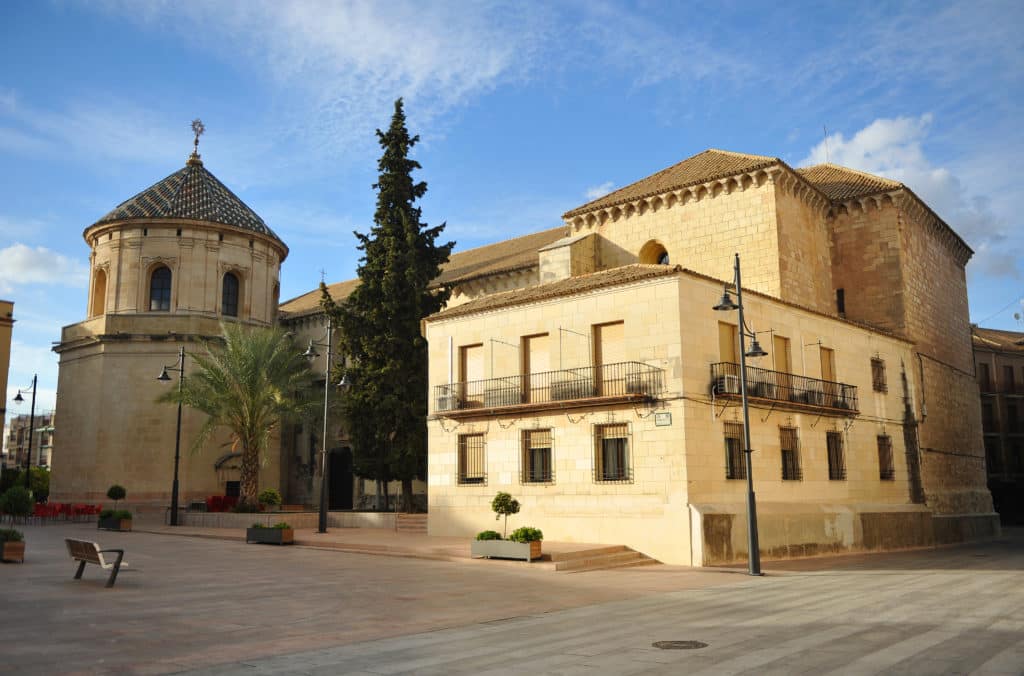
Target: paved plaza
202,605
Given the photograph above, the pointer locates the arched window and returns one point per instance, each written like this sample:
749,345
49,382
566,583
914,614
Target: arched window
229,295
160,289
654,253
99,293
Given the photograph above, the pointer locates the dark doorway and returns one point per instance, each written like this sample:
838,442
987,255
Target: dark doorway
233,489
339,479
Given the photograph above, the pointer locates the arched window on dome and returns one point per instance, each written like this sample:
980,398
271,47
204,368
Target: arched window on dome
229,295
99,293
654,253
160,289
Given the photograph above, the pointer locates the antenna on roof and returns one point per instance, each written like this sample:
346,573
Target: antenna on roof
198,128
827,158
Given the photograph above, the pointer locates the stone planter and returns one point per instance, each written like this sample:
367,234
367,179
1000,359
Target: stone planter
14,551
115,524
270,536
506,549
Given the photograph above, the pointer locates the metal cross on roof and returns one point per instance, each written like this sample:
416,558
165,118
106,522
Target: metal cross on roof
198,127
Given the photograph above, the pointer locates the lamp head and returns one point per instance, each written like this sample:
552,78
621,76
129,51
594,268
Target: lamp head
18,398
755,349
164,377
310,352
345,383
726,304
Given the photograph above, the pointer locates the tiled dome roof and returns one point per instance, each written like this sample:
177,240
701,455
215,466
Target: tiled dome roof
192,193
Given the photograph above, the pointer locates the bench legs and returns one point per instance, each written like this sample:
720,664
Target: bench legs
81,567
117,565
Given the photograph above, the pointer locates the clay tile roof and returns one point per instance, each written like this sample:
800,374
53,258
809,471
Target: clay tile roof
565,287
706,166
997,340
512,254
841,183
191,193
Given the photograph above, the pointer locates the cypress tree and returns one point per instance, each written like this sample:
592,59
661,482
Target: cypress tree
386,406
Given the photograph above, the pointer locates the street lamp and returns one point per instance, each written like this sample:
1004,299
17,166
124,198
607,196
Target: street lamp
164,377
726,305
31,426
311,354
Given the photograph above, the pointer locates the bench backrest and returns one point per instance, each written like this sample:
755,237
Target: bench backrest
83,550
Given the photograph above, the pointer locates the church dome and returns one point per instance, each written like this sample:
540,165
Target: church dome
191,193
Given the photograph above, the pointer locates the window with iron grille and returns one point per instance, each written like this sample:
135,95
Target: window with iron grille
538,462
735,464
611,453
836,460
472,466
790,445
886,469
878,383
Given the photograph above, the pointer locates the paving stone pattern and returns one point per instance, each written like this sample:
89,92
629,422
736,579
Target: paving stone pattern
219,607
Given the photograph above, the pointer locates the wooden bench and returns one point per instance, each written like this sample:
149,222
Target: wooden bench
85,552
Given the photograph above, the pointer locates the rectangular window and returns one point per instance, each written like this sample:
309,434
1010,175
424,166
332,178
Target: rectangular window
790,445
836,461
886,469
993,456
984,380
878,383
472,467
537,465
1009,385
728,343
841,302
988,418
1012,424
611,453
735,463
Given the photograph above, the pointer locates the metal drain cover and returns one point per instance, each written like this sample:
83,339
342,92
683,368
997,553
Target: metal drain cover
679,645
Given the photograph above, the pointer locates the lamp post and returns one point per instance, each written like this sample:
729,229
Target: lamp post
31,426
726,305
311,353
164,377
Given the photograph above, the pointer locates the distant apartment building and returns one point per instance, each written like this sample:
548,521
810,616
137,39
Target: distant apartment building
18,431
999,364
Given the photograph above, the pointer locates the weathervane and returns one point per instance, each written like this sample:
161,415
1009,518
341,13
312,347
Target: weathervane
198,127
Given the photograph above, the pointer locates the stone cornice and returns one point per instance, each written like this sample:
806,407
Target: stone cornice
778,173
94,231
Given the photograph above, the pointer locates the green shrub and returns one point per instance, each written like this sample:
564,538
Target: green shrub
116,492
488,535
505,505
106,513
115,514
257,525
11,535
526,534
245,508
269,497
281,525
16,501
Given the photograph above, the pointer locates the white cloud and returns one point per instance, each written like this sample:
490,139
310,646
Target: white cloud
894,148
596,191
21,265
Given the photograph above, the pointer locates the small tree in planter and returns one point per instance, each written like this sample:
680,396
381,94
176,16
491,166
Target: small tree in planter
116,493
13,545
504,505
269,498
278,534
16,501
524,543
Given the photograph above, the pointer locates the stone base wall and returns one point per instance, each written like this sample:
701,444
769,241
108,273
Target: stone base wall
299,520
951,528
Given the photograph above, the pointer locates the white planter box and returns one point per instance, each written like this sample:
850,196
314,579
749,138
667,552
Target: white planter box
506,549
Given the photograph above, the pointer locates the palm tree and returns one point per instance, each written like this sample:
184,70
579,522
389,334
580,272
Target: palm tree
248,383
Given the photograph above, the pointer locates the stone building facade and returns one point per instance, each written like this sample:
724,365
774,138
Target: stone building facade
863,290
19,429
167,268
999,364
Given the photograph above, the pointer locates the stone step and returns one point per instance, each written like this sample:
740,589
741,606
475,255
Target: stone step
411,523
620,559
589,553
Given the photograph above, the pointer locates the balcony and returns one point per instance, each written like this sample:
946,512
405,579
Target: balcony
623,382
784,390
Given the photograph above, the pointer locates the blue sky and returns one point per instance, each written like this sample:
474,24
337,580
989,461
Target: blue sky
525,110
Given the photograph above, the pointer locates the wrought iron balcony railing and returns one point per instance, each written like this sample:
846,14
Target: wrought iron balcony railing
783,388
624,380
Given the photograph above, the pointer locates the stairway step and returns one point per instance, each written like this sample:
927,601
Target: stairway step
589,553
623,559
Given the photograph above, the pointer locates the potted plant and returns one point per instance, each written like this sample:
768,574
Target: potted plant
523,544
116,493
278,534
13,542
269,498
115,519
